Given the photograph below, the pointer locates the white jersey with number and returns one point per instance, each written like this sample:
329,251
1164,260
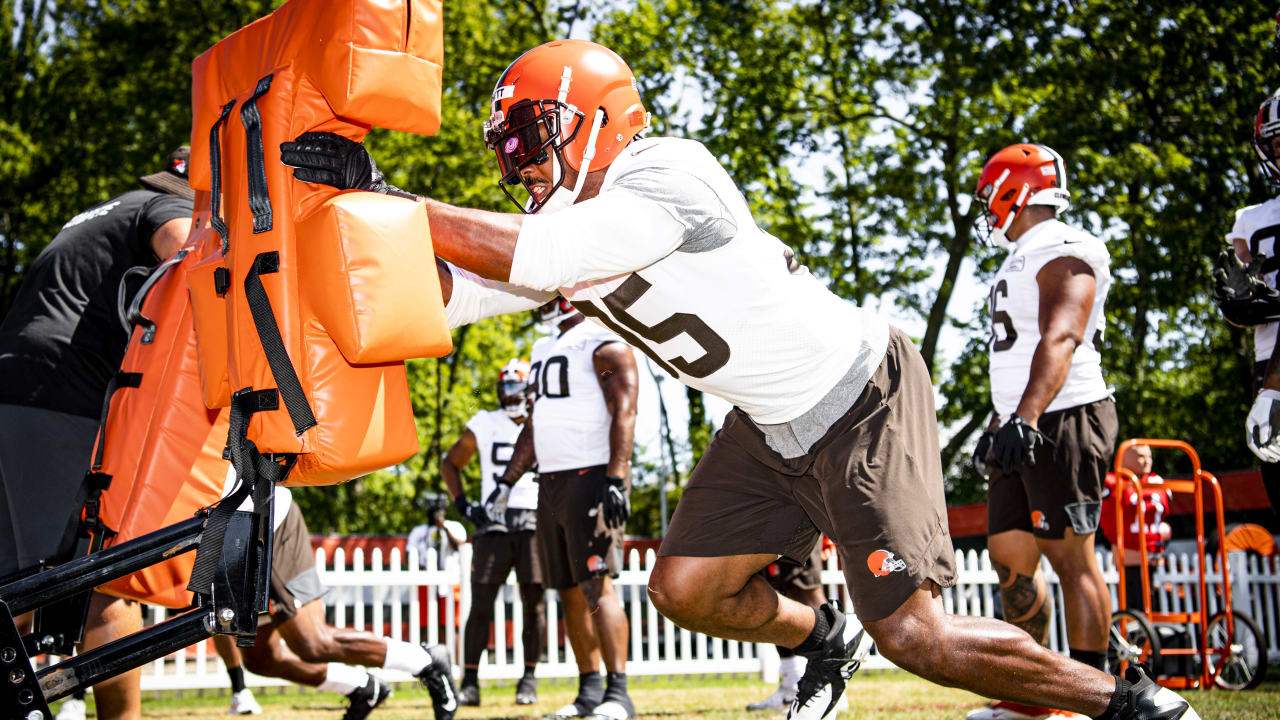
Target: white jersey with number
496,435
1258,226
570,418
668,256
1014,310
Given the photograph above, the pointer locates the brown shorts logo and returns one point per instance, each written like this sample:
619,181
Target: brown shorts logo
1039,521
883,562
596,564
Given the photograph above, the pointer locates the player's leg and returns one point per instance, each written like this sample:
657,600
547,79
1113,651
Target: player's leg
533,600
1085,596
242,700
1024,594
119,698
612,635
490,563
804,585
737,515
1069,489
554,494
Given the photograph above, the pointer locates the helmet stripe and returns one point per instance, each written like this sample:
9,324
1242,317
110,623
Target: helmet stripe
1058,169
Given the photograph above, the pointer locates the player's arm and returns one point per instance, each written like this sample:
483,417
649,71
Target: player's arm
169,237
456,458
469,297
1066,299
615,366
610,234
522,455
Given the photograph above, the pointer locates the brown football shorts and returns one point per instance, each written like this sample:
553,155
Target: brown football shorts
294,580
494,554
574,543
872,483
1064,487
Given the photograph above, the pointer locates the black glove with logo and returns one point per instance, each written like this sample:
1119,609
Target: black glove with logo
330,159
1015,445
981,451
473,512
613,502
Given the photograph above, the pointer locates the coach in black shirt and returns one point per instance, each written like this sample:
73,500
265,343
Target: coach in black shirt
61,343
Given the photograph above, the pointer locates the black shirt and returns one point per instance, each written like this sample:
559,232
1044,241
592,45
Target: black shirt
62,340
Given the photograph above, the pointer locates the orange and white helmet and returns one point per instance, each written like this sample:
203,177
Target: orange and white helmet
513,381
1265,128
571,101
1020,175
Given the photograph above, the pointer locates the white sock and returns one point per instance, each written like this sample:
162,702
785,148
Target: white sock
405,656
343,679
791,668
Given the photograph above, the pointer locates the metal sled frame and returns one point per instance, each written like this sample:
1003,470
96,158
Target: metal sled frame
229,607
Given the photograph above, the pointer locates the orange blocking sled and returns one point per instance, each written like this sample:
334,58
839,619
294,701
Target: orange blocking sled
161,446
316,297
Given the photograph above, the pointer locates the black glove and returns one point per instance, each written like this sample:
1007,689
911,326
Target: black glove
1015,445
473,512
613,502
980,452
330,159
1242,295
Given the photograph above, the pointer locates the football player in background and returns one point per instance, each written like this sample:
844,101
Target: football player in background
1245,290
1055,427
833,426
501,544
583,384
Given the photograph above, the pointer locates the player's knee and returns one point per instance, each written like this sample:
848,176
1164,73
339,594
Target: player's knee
675,600
594,591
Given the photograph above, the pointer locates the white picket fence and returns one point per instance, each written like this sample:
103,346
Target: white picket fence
382,595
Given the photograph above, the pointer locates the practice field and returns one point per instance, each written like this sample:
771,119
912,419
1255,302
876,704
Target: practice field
873,696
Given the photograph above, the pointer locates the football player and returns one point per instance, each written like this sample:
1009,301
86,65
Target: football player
1055,426
1246,295
501,544
832,428
583,384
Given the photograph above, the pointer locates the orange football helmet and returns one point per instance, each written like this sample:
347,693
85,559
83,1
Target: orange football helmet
1020,175
573,101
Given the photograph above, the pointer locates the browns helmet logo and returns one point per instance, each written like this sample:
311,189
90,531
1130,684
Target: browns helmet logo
596,564
883,562
1039,521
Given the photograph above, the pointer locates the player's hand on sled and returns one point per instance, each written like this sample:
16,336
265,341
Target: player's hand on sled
329,159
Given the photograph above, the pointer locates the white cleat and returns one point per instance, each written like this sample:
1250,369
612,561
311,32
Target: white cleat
72,709
827,673
243,703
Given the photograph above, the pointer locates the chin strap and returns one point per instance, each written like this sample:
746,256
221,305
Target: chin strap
588,155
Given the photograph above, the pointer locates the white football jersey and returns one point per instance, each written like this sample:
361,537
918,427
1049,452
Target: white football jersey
570,418
1014,310
668,256
1258,226
495,440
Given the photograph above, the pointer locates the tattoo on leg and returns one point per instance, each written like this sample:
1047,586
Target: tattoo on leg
1026,602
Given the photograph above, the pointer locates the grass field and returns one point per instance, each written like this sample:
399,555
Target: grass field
872,695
